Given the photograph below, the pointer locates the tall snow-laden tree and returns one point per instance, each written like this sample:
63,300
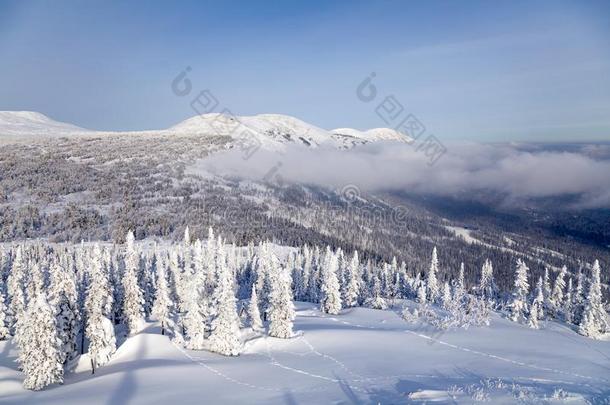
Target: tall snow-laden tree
568,308
162,305
354,281
4,330
302,287
487,289
225,337
39,345
281,308
594,322
63,299
433,291
331,295
132,305
99,329
446,298
253,312
518,304
578,298
459,286
537,307
547,287
556,299
15,288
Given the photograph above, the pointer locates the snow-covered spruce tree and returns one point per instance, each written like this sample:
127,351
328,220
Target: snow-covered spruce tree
307,265
132,305
376,301
331,295
446,298
421,292
253,312
225,337
15,289
518,303
192,318
36,280
261,269
594,322
99,330
4,330
487,289
537,307
556,299
39,345
281,307
578,305
206,270
162,306
314,277
459,287
567,303
63,299
433,291
547,288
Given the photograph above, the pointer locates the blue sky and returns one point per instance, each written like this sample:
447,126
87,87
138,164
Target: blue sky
492,71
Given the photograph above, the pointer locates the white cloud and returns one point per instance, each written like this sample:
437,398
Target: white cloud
466,167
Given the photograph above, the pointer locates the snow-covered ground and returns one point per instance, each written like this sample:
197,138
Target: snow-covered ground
360,356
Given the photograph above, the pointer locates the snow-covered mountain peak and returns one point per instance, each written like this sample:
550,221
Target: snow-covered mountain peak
16,123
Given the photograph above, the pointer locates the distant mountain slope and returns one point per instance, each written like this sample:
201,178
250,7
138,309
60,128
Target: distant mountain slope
270,131
17,124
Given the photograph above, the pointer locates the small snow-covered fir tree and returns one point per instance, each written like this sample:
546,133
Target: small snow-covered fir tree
162,306
518,304
133,303
354,281
537,307
594,322
253,312
39,345
433,291
331,295
376,301
281,307
225,337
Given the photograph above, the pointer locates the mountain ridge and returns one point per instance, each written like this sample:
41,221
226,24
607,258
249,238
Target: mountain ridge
270,130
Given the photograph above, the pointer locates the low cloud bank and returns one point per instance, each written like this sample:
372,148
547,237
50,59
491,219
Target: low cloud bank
465,168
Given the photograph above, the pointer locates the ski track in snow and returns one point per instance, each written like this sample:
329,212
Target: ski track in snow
477,352
356,378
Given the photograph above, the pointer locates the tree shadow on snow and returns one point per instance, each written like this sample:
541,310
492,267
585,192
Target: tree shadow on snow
127,389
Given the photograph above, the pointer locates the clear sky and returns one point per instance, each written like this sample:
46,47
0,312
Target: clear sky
481,70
